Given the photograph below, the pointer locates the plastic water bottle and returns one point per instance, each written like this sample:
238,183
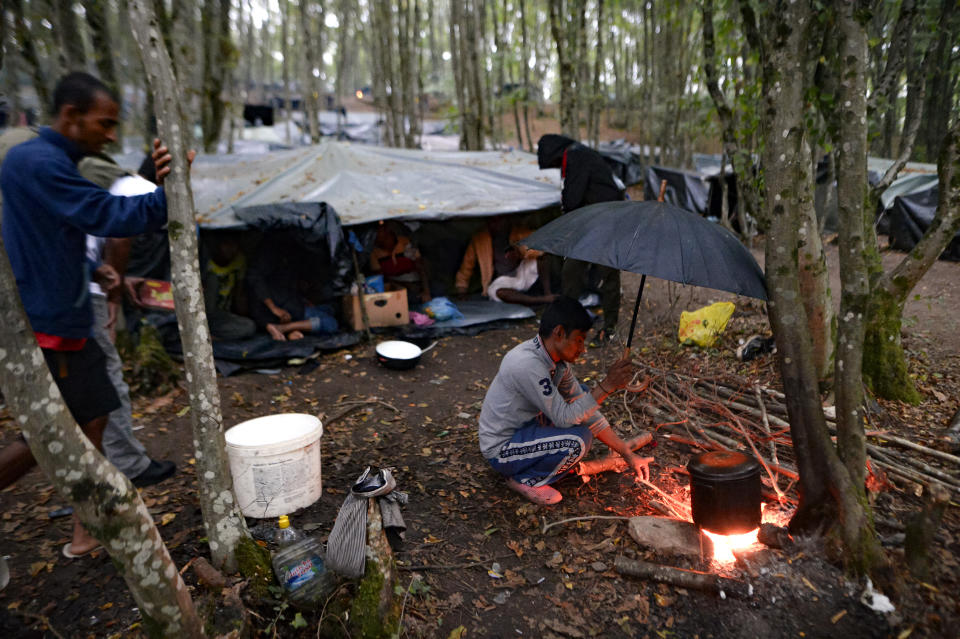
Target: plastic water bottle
298,564
286,534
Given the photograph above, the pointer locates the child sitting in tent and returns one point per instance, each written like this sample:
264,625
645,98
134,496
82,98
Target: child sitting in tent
397,258
288,289
223,291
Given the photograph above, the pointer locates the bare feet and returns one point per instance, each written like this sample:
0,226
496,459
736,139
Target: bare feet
83,542
294,335
543,495
276,333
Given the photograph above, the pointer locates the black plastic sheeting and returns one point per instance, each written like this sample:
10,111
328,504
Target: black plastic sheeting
262,352
623,160
685,189
910,217
259,351
314,225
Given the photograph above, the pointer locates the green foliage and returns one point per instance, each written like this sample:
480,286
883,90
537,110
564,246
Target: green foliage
298,621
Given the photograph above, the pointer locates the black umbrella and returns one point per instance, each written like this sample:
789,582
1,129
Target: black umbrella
654,238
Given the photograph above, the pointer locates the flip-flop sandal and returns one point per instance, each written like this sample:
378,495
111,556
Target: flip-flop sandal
69,555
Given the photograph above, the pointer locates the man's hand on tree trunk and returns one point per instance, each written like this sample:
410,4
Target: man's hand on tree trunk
161,159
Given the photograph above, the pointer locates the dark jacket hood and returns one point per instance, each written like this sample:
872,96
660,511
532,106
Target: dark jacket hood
550,150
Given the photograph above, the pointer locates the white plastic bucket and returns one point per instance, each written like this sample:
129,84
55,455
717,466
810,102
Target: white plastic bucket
275,463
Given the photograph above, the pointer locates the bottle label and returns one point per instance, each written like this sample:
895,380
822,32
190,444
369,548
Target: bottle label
298,574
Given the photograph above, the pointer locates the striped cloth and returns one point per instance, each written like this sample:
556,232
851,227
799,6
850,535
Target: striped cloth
345,547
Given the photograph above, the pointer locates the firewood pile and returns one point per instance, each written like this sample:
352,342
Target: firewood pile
729,412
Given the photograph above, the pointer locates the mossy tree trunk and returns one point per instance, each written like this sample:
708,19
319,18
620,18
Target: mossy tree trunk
222,519
831,497
375,612
884,362
103,498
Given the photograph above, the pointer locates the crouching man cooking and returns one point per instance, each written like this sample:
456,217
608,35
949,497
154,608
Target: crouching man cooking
537,420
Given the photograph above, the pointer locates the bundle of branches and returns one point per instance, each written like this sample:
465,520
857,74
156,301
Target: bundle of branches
729,412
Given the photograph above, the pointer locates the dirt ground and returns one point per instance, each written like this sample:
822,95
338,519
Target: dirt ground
462,520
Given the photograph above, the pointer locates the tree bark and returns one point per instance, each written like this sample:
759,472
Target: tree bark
343,55
597,98
524,53
29,54
96,13
816,294
884,363
851,126
310,46
560,21
222,519
285,68
739,158
830,495
941,80
72,55
102,497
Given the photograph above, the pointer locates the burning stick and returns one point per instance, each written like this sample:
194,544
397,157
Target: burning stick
682,578
612,461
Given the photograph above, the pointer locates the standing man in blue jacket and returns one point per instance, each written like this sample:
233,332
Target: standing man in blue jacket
48,209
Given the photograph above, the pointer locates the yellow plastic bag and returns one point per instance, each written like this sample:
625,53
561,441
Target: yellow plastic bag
702,326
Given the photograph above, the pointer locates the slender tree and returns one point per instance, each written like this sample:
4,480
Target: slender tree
222,519
28,52
311,39
103,498
564,26
790,38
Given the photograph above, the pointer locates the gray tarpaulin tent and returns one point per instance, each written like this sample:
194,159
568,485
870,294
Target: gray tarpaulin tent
366,184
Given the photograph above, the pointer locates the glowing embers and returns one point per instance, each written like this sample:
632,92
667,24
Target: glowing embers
725,545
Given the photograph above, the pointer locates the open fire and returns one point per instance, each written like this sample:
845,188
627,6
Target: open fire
725,545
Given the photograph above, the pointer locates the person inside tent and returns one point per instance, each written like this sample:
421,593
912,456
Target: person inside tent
509,271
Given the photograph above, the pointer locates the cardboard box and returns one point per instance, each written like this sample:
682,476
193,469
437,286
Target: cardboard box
383,309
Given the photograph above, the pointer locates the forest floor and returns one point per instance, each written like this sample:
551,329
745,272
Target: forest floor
462,519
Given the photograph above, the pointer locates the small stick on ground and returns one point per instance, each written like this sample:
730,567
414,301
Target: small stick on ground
547,526
680,577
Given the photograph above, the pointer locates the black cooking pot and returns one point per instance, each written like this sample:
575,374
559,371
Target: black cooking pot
725,492
400,355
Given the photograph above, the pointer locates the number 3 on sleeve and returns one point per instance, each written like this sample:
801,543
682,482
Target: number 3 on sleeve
547,388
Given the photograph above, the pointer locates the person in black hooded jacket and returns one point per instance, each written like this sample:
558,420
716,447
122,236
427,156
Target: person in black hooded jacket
587,179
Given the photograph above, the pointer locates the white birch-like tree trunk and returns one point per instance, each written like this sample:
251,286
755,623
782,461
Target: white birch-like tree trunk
222,519
102,497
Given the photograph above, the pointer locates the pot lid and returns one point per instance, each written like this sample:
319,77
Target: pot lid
723,465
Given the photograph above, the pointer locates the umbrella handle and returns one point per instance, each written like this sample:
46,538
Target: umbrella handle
663,190
636,309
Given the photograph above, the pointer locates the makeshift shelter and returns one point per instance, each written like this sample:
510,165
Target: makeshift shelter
624,159
687,189
442,196
910,212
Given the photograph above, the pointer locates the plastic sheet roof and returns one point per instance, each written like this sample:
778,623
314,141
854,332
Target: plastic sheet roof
365,183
